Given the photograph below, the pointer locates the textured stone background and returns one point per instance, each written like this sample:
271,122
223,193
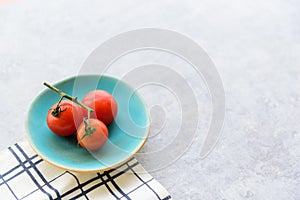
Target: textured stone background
255,46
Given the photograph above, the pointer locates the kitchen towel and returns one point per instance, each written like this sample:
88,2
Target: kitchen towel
24,175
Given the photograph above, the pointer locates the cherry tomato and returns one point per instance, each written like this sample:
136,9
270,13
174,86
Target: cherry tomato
64,119
96,139
104,105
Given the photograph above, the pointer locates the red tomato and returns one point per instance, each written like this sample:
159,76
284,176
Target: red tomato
96,139
66,119
104,105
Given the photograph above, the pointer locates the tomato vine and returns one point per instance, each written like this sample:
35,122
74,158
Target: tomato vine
56,111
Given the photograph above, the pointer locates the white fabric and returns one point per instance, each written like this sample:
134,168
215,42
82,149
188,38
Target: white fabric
24,175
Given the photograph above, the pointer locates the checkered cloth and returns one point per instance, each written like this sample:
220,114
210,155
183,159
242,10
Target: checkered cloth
24,175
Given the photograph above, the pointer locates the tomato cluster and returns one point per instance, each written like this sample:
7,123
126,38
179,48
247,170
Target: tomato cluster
66,117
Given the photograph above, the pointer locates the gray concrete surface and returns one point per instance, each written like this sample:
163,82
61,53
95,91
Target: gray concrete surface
255,46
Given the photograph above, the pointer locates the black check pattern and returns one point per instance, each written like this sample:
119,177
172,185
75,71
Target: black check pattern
24,175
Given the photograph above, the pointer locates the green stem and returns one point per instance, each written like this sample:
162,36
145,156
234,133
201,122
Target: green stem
88,129
57,110
61,98
74,99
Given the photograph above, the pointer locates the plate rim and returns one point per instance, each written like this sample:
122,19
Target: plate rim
33,147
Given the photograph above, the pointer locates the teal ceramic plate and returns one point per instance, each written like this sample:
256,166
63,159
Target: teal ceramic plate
127,134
